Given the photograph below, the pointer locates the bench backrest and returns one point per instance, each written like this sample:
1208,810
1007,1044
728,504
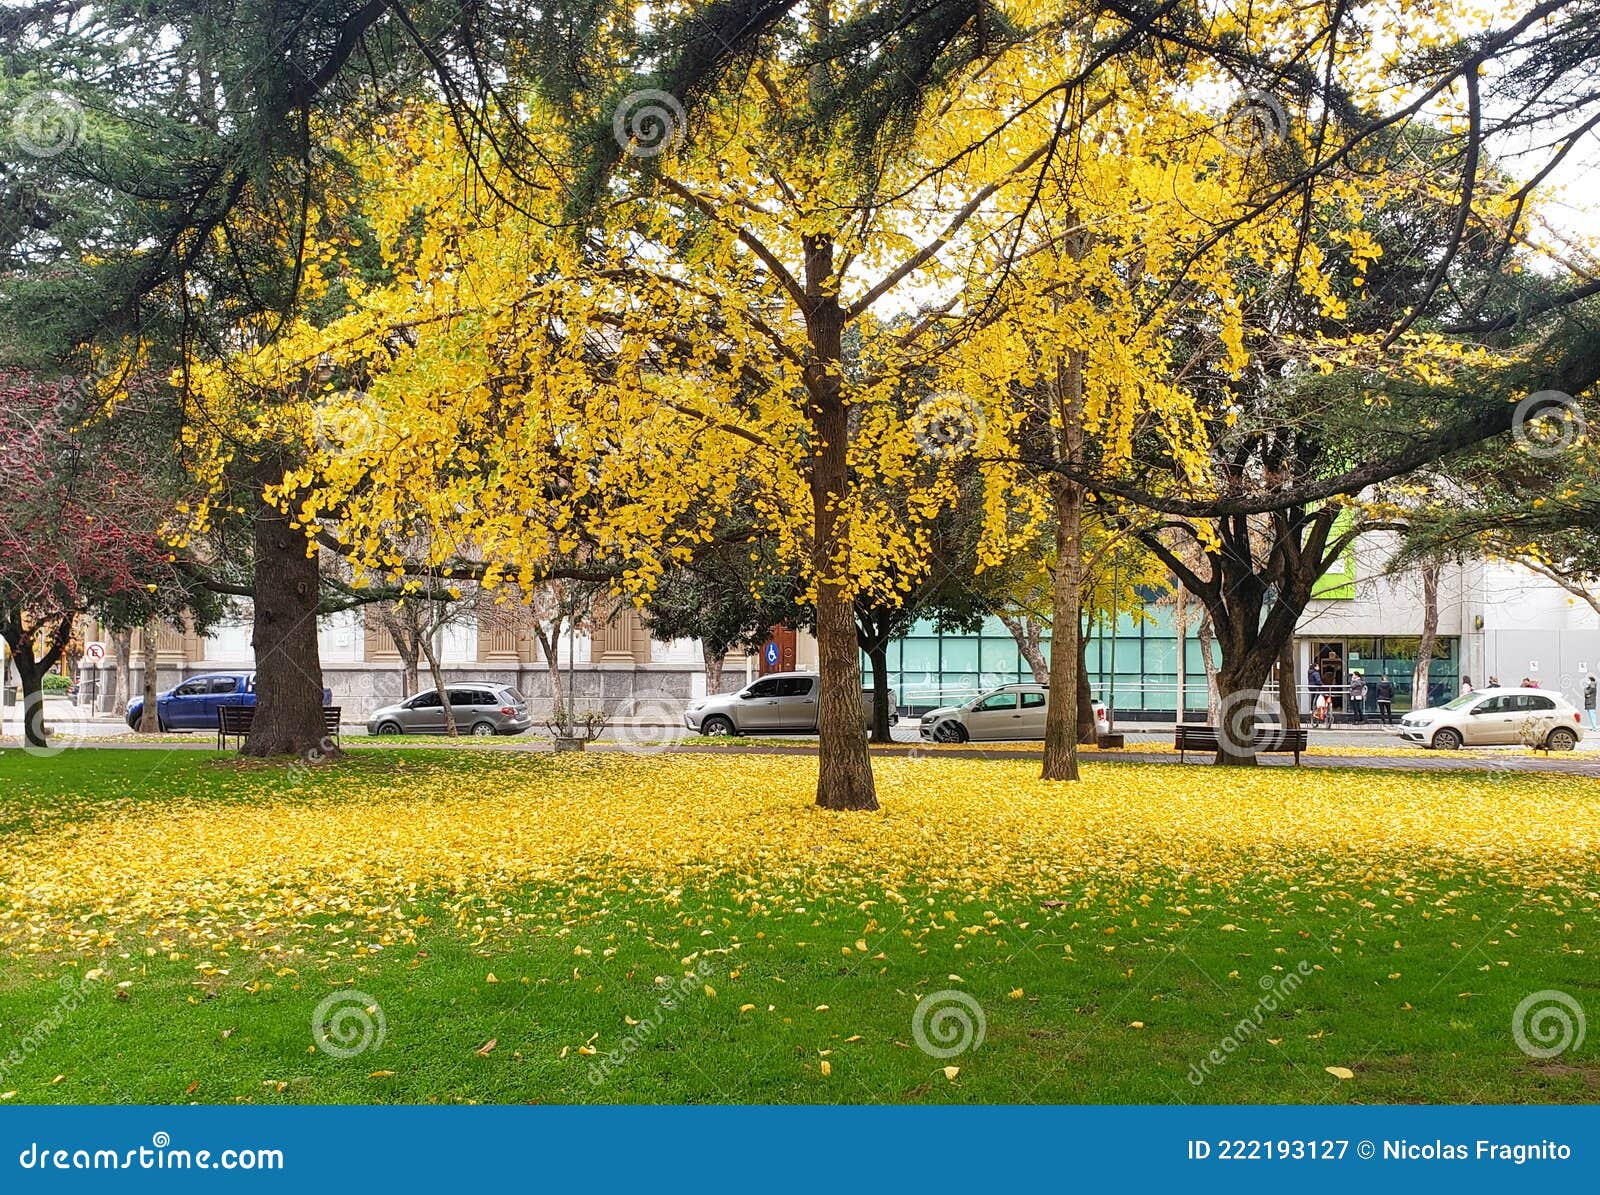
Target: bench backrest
1266,738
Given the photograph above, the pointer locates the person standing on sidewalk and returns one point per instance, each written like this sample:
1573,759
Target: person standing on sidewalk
1590,688
1386,700
1358,698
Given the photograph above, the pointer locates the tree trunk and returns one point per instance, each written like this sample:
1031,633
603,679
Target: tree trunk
1088,730
548,647
844,765
149,716
31,677
122,676
1066,635
1430,635
713,663
1208,657
1030,645
31,669
1236,723
286,593
425,642
879,656
1288,691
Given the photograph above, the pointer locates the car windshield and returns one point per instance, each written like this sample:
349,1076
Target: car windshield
979,699
1464,699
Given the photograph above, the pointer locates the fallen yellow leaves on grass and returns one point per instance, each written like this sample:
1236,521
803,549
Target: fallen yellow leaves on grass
374,842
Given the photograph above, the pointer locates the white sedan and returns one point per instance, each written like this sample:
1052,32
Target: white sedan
1497,718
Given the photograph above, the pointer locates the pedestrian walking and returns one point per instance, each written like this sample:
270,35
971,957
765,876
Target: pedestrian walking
1313,686
1322,711
1494,682
1358,698
1386,700
1590,688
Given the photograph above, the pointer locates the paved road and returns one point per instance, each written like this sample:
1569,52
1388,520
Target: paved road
1585,761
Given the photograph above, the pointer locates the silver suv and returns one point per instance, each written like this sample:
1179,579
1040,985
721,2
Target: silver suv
774,704
481,710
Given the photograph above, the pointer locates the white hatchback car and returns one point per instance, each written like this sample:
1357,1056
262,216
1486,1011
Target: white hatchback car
1011,712
1497,718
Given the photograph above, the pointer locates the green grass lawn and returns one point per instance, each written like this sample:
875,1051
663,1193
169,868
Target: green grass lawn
612,979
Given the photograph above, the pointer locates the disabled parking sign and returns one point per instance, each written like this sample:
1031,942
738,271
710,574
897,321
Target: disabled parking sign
771,653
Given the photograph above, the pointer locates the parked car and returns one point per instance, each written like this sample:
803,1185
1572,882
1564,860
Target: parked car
1009,712
776,703
1496,718
482,710
193,704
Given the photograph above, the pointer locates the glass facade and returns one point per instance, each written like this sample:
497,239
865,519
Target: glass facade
1135,667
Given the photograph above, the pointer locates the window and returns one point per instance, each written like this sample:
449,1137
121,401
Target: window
1495,705
512,697
997,701
1527,702
192,688
795,686
763,688
1032,701
424,701
224,684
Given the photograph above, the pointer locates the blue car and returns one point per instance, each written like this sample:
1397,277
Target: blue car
193,704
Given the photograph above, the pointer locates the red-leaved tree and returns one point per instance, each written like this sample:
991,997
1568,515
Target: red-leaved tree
82,508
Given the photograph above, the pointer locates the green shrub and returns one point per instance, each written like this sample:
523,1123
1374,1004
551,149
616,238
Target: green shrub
54,682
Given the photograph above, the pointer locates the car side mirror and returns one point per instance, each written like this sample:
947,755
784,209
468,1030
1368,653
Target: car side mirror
745,696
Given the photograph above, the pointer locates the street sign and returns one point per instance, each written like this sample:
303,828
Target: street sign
771,654
95,651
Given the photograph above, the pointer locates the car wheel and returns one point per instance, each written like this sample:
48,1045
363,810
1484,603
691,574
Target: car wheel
390,728
1561,739
950,732
717,724
1447,739
482,730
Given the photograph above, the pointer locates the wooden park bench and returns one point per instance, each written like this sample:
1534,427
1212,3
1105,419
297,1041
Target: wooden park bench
1267,739
233,721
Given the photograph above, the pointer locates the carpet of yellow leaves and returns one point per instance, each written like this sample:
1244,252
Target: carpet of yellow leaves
371,845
